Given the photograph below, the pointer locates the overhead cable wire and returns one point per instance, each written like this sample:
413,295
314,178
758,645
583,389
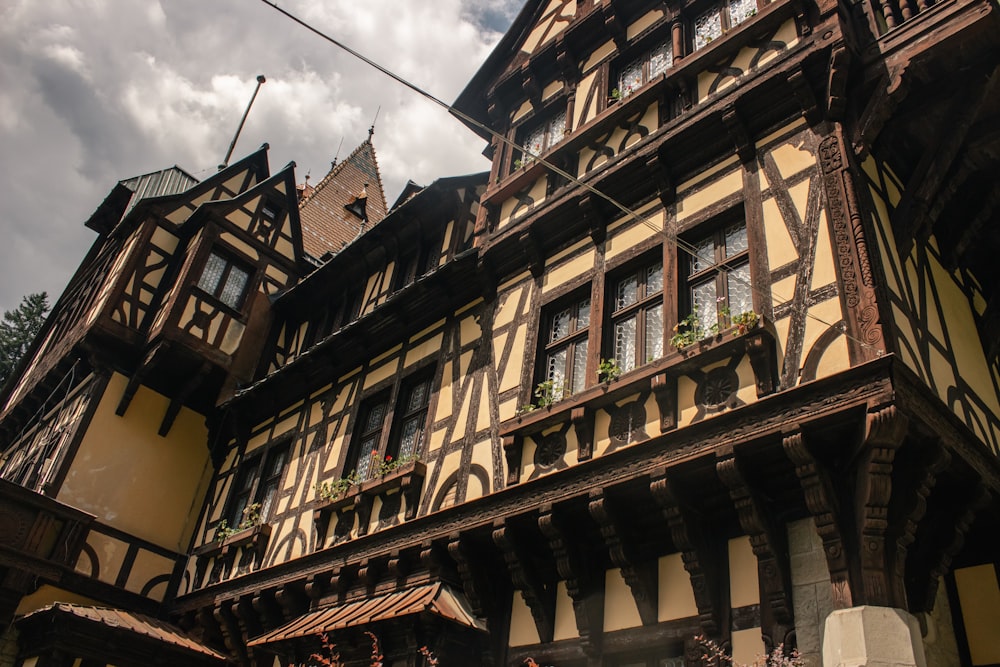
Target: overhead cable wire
671,237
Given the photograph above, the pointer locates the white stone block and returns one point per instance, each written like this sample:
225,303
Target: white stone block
872,637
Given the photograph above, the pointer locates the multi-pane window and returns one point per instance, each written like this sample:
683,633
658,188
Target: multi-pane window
711,24
719,276
543,137
412,419
363,458
565,339
637,316
384,434
225,280
643,70
257,481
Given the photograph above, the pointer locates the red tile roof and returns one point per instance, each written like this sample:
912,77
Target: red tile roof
129,622
436,599
326,225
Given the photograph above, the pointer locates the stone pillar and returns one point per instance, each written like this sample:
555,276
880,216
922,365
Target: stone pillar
872,637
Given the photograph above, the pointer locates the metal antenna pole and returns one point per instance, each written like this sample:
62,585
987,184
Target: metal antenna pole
229,153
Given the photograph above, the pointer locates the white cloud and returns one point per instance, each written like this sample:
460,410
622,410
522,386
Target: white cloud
95,92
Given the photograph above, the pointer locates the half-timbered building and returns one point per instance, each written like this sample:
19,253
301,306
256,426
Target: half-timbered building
710,350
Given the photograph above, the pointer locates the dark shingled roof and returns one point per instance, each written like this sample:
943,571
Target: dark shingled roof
326,225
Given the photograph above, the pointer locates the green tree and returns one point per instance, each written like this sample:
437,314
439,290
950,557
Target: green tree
18,328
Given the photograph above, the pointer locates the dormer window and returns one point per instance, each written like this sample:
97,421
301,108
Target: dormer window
643,70
711,24
225,280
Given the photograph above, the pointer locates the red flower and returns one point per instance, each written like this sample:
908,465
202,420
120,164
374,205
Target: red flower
388,458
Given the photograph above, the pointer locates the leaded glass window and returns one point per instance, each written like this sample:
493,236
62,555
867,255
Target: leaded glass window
543,137
566,346
643,70
718,277
224,279
637,316
713,23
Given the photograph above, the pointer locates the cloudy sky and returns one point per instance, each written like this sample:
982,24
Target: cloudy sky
94,91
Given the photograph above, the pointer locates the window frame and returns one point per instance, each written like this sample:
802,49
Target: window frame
253,468
725,21
389,432
231,262
644,60
644,302
545,121
570,342
722,267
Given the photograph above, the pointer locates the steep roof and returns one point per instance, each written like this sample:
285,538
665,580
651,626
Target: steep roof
327,224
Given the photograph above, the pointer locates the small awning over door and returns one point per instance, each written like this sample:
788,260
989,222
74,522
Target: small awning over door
436,599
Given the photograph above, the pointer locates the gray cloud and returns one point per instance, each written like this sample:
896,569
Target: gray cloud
94,91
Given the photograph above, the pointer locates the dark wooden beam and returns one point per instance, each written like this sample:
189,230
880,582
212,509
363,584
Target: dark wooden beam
584,583
700,559
639,574
540,595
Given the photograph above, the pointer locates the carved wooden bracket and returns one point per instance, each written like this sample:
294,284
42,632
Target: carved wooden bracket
641,576
836,95
177,401
664,388
471,571
539,595
292,599
513,447
136,378
659,173
760,349
770,545
268,608
739,134
903,528
886,429
583,424
250,622
613,24
822,504
584,585
568,63
701,563
592,214
889,92
802,89
529,84
230,627
532,252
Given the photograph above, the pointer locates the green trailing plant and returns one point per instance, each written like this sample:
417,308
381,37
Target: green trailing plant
518,163
337,488
390,464
549,392
608,370
688,331
744,322
251,519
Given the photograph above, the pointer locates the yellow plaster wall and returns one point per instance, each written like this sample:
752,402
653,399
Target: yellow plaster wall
423,350
564,272
979,597
646,20
146,567
581,112
123,471
633,234
522,626
620,611
676,597
380,373
748,647
744,587
48,594
694,202
565,622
